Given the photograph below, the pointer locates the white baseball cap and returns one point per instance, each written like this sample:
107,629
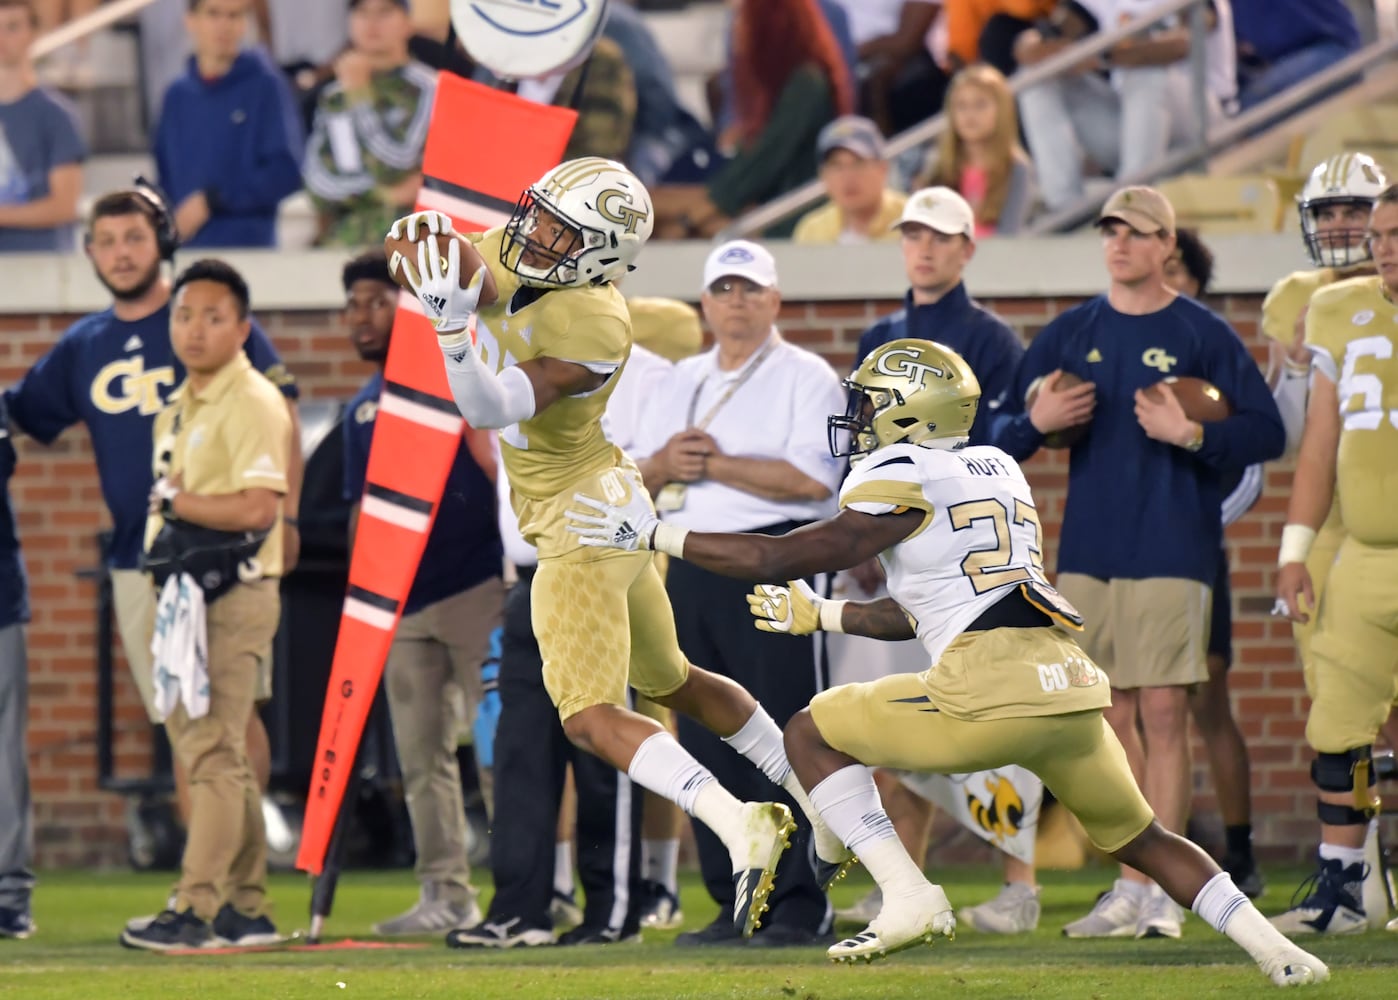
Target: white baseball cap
741,259
939,208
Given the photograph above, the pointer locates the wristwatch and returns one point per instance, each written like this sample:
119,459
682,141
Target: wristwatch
1196,442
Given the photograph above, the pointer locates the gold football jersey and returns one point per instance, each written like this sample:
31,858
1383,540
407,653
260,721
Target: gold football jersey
1353,330
1283,305
589,326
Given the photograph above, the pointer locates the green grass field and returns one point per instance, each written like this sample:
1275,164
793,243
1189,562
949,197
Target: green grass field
75,955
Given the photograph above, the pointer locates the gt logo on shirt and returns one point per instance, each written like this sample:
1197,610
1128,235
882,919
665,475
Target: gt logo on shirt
904,362
126,385
1156,357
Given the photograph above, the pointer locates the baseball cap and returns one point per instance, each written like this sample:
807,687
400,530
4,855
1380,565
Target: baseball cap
1144,209
741,259
939,208
853,132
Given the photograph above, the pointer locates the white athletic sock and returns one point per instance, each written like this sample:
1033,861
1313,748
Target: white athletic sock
670,771
1345,855
1228,911
660,862
849,803
760,741
563,867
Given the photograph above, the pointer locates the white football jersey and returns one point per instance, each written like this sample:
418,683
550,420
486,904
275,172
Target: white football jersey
981,536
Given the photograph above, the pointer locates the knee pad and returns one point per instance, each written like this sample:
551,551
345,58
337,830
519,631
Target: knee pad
1350,772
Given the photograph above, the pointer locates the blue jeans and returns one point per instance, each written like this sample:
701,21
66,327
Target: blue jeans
16,844
1258,85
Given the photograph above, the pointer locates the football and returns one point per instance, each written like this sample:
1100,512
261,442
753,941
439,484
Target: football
1199,398
1069,436
402,259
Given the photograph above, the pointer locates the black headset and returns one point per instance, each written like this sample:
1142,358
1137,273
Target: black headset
167,237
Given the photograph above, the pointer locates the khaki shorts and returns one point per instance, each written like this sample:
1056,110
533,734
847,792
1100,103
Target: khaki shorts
1143,633
894,723
134,598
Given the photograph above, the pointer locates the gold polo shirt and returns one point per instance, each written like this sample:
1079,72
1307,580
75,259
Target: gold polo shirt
233,435
827,223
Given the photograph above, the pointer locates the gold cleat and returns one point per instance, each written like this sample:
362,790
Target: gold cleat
767,830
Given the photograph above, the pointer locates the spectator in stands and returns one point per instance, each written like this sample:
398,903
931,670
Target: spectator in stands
229,145
790,81
16,815
736,436
1142,527
1188,271
900,82
70,66
979,155
363,164
440,643
987,29
222,463
854,170
41,152
1281,42
1127,120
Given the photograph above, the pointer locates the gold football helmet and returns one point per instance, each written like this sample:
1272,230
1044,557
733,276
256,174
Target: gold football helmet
916,391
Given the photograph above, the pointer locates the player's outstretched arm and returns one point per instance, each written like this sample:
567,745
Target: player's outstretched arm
834,544
797,609
1312,489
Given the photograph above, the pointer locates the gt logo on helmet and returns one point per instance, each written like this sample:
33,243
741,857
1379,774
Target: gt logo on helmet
612,205
905,362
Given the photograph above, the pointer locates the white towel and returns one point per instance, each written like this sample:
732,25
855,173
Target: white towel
180,649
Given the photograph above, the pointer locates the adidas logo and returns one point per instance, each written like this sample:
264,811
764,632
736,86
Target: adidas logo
1094,355
435,302
133,343
625,534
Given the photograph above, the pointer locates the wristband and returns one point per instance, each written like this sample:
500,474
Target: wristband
1196,442
1296,543
669,538
832,616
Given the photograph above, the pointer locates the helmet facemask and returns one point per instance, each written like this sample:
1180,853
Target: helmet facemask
560,255
1334,247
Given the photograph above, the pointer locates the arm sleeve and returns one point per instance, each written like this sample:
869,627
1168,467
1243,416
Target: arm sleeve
68,146
277,158
756,172
1254,433
43,404
264,358
1018,200
1011,431
1291,394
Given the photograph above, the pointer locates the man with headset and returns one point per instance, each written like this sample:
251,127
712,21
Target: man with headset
112,371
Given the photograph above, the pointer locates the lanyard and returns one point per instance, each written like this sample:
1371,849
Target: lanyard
733,387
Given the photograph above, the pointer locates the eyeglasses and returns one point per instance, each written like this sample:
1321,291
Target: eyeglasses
727,288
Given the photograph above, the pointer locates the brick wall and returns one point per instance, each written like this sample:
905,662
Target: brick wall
60,511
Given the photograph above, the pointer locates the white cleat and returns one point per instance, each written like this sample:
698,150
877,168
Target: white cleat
1015,910
767,828
1294,967
901,924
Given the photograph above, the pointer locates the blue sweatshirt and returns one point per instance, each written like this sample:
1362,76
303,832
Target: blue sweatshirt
14,585
1139,508
239,140
990,347
1274,29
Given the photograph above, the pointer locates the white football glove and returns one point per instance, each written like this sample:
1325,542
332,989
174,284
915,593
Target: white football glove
628,526
435,223
792,610
437,285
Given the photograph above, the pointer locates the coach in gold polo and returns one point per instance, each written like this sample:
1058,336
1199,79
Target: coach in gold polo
221,454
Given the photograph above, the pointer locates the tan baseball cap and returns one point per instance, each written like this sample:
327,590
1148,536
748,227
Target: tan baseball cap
1144,209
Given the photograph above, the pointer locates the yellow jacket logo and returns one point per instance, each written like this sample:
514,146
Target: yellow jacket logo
127,385
1002,815
1158,358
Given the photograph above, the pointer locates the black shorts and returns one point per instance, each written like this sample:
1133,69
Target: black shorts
1221,618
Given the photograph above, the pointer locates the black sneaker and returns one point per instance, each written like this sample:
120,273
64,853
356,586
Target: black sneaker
170,931
509,933
787,936
1243,870
237,930
660,908
592,934
16,923
720,933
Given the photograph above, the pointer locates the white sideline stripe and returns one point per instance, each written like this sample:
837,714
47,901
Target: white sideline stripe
368,614
458,208
394,514
419,414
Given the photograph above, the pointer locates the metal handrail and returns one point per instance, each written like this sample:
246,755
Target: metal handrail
89,24
924,132
1228,131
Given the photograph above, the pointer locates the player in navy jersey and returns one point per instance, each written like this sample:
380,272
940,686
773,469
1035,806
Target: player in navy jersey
112,371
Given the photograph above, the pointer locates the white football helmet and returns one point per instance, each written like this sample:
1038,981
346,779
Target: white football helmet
606,217
1344,179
